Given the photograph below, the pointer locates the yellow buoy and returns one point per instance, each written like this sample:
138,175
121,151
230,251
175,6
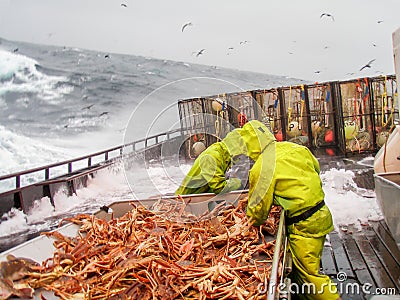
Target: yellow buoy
198,147
217,104
293,129
350,130
381,138
315,128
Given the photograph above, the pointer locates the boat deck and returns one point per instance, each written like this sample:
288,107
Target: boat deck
363,262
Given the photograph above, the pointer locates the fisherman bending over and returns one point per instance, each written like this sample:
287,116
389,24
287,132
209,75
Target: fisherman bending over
285,174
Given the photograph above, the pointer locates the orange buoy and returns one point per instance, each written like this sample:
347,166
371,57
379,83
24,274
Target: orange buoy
329,138
279,136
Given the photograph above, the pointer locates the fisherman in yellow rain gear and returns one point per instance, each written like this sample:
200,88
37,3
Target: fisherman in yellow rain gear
207,174
287,174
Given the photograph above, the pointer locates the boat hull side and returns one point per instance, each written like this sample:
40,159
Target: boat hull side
387,189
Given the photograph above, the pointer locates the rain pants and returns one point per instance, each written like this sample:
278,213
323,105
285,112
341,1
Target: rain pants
287,174
207,174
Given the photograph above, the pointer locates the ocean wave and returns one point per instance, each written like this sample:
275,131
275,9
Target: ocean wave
19,152
20,74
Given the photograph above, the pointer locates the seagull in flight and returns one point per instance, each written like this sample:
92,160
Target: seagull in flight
200,52
88,107
368,65
379,21
229,50
103,113
186,25
243,42
327,15
124,5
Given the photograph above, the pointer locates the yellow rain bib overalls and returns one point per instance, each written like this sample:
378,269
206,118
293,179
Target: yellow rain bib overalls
287,174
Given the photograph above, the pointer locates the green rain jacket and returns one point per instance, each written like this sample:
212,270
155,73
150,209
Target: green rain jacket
285,174
207,174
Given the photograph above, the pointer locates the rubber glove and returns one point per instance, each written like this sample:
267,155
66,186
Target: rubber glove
232,184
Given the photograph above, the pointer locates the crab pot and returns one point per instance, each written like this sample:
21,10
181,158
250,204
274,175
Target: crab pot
270,113
357,116
216,116
296,124
385,102
192,118
322,115
241,108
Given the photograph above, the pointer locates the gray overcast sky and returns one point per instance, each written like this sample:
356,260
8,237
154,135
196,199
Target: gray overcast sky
285,37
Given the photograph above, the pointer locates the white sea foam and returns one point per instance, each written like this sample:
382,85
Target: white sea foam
155,180
19,153
107,187
13,222
19,73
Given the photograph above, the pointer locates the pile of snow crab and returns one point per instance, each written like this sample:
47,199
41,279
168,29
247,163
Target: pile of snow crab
143,255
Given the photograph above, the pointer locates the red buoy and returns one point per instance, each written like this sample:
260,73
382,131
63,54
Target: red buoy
330,151
242,119
329,138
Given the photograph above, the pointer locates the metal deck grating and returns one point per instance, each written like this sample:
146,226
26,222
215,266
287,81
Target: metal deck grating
363,263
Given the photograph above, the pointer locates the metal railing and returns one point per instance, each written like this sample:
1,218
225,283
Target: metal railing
107,154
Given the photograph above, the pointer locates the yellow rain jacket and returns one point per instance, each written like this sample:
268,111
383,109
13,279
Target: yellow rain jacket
287,174
207,174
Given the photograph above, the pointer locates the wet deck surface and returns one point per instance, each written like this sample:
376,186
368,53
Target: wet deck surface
363,262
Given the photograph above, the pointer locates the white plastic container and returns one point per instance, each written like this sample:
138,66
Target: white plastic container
386,158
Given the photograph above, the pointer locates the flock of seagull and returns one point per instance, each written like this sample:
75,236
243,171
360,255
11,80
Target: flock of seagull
201,51
323,15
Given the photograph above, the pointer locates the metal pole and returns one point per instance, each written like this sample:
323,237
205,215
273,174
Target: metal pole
273,282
